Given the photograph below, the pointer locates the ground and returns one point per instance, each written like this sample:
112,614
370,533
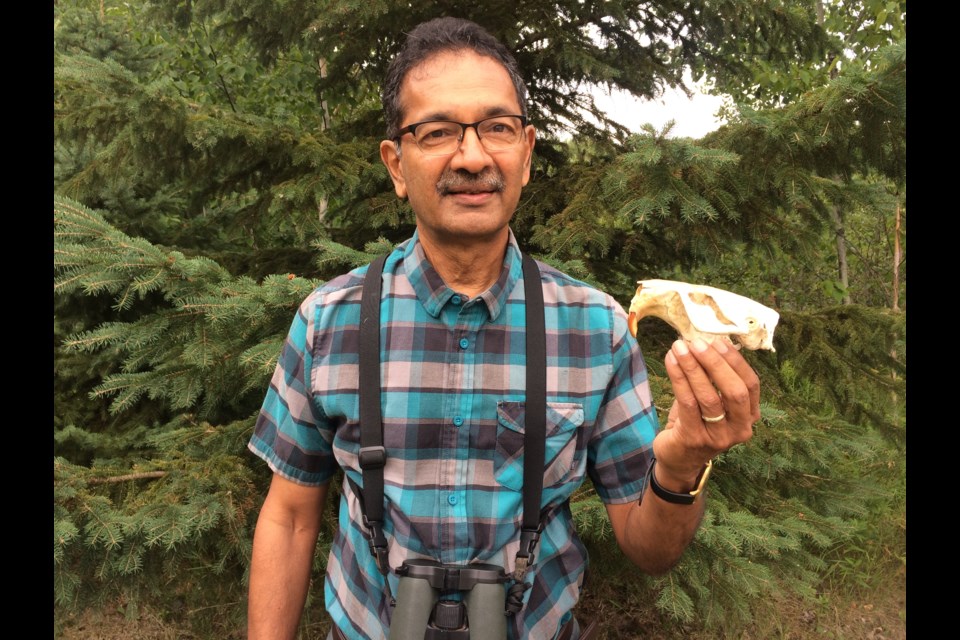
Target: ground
880,615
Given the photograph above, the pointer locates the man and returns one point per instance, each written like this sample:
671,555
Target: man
452,369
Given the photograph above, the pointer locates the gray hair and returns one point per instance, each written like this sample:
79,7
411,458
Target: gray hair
436,36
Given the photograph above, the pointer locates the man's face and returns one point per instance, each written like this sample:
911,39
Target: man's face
472,194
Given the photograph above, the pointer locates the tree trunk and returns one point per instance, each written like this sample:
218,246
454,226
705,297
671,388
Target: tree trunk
896,258
835,210
322,69
841,252
896,294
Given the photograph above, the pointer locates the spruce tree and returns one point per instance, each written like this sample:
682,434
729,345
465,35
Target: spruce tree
215,161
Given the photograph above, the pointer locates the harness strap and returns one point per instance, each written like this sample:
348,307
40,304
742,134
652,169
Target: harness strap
373,454
535,417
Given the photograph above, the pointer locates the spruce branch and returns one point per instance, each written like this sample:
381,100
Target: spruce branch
143,475
185,352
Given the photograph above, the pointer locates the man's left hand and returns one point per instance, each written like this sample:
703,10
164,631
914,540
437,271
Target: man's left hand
717,402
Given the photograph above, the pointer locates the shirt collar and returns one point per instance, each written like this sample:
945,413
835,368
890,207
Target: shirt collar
434,293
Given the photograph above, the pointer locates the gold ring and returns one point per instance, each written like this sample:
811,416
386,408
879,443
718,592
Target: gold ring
717,419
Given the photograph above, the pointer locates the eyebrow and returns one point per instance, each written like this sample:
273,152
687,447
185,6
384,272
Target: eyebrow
489,112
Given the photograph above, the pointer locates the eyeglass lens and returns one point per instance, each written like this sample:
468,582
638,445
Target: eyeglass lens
441,137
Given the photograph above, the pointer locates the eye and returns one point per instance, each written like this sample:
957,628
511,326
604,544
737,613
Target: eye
500,127
434,131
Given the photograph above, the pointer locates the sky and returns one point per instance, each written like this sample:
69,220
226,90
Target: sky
694,117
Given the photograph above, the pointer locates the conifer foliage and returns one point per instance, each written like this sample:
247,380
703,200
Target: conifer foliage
215,161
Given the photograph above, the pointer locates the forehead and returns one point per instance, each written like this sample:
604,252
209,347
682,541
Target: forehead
449,83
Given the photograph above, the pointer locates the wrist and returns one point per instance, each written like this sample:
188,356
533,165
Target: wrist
689,492
673,480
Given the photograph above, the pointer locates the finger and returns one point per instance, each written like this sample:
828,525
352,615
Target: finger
740,406
725,368
682,393
688,443
672,416
697,393
747,376
684,415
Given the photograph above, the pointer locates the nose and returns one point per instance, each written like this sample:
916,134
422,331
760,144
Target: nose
471,155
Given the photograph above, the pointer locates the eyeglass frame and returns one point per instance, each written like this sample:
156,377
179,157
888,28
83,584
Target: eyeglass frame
411,129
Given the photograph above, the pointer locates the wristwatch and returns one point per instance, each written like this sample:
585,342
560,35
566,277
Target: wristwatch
672,496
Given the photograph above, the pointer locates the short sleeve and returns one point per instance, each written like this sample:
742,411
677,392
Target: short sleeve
290,433
621,448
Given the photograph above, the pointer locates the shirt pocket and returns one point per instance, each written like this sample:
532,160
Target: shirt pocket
562,456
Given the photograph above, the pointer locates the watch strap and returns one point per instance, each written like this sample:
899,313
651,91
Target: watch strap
672,496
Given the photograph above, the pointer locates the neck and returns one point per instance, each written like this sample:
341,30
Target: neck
470,267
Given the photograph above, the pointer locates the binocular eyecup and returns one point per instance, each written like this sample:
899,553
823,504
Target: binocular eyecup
424,610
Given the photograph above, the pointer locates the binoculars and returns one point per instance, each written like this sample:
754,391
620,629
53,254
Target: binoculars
424,610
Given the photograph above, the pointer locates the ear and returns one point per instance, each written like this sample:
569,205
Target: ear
390,156
531,135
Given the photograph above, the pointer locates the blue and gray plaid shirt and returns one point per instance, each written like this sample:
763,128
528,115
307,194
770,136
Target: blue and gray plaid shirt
453,374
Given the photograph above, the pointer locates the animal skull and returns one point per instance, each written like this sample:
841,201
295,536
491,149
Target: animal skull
706,312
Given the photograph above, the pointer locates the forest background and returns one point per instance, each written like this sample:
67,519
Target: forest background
215,160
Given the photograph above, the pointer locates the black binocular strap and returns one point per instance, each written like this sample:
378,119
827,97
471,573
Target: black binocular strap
373,454
535,416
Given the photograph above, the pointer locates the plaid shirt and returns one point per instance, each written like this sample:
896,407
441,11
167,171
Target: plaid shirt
453,374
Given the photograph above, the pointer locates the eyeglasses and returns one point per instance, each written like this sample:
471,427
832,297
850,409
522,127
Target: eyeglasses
443,137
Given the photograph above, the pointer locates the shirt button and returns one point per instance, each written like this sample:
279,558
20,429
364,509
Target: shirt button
464,343
452,498
456,299
457,421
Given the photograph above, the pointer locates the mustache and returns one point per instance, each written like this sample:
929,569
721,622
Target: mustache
461,180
